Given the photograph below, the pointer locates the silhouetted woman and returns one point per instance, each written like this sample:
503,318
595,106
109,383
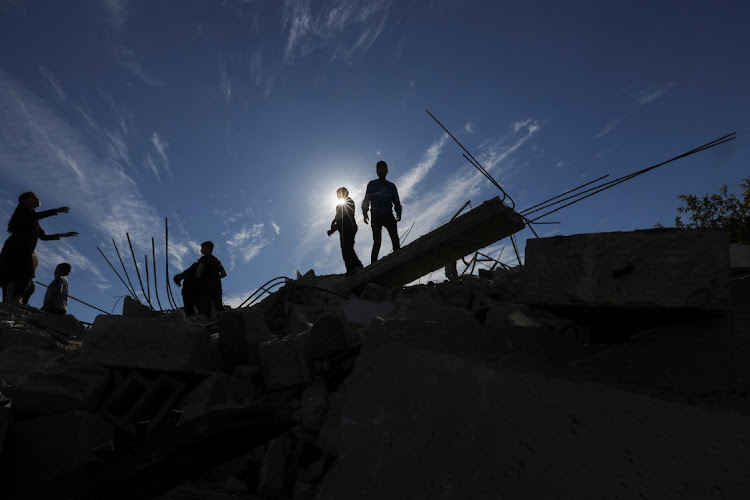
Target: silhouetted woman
17,257
345,224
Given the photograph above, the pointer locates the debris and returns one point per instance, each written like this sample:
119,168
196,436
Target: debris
635,270
401,392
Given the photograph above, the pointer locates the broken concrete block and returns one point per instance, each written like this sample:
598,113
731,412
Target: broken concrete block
65,324
135,309
498,314
163,343
418,424
362,312
283,362
218,391
518,318
296,321
41,448
273,480
18,363
329,335
241,331
638,269
6,417
19,335
427,309
460,335
60,389
456,294
506,284
374,292
739,256
312,406
139,399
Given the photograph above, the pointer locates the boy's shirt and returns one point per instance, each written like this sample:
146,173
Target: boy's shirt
212,271
59,302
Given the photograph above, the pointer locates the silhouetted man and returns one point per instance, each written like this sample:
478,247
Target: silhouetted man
209,273
191,290
382,197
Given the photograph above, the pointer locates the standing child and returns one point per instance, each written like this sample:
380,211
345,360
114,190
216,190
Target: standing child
56,297
209,274
346,225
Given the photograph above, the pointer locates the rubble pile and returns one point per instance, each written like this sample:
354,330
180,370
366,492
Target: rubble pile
593,371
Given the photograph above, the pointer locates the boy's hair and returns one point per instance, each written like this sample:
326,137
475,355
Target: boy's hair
209,245
26,195
64,269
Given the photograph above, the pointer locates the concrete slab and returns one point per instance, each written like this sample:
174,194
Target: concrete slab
66,324
418,424
665,268
168,343
18,363
739,256
283,362
217,392
41,448
60,389
6,417
489,222
241,331
362,312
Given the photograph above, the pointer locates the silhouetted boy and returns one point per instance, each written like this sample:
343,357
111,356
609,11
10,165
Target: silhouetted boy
209,274
345,223
382,196
56,297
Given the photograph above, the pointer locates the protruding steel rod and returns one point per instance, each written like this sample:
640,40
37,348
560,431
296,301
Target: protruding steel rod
563,194
403,238
468,202
77,300
156,286
613,183
137,271
115,270
474,162
166,261
148,282
264,288
132,288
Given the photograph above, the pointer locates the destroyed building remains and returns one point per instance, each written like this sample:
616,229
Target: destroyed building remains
612,364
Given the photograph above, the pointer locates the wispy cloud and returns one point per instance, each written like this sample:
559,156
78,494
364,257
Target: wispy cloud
53,84
469,128
117,10
160,146
130,61
653,92
276,228
409,181
436,207
608,128
247,243
225,87
35,142
344,28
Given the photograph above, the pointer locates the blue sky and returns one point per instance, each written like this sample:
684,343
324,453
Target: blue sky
237,120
